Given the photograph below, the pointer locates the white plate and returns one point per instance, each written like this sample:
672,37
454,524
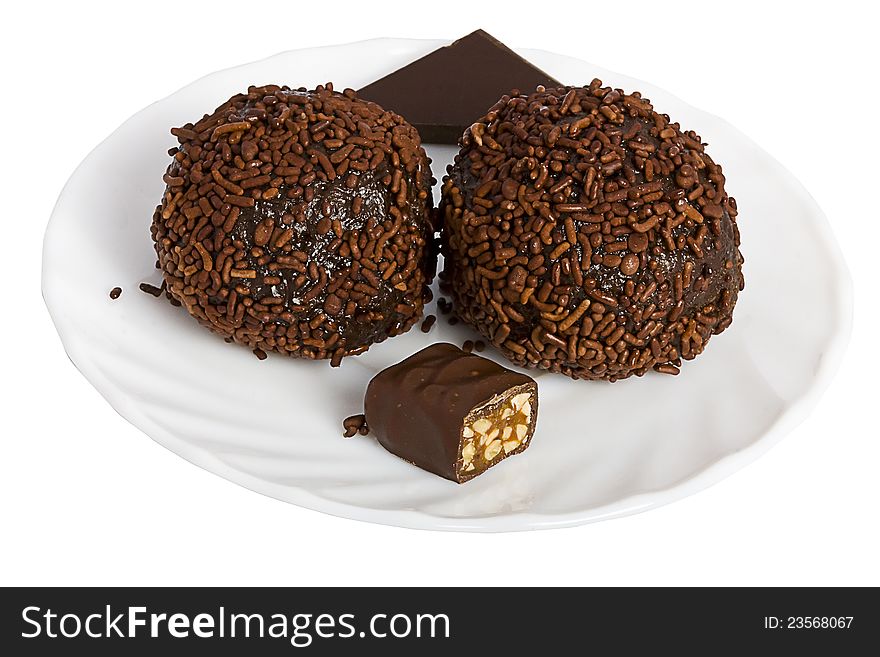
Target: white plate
601,450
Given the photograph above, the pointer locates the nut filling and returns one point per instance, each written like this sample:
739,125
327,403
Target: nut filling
500,427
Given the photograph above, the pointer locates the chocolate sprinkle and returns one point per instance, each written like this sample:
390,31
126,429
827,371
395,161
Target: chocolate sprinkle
584,233
115,292
152,289
298,222
428,323
355,424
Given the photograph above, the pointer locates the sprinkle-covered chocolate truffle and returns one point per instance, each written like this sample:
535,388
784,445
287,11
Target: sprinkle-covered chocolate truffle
451,413
298,221
584,233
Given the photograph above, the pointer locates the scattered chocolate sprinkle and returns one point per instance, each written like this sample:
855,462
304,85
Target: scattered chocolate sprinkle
115,292
428,323
355,424
468,346
259,353
151,289
584,233
479,345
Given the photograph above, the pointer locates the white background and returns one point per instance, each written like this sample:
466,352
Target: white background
85,498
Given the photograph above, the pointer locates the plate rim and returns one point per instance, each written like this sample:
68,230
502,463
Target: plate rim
790,417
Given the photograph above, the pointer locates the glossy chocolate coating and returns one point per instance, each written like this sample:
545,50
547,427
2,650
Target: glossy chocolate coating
445,91
417,408
373,321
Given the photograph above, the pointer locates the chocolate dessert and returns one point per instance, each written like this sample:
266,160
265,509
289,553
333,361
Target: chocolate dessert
298,222
445,91
587,234
452,413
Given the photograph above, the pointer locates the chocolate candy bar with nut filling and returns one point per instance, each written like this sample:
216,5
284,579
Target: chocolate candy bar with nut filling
450,412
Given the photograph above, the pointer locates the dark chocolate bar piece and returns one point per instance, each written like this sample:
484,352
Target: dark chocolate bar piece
450,412
445,91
